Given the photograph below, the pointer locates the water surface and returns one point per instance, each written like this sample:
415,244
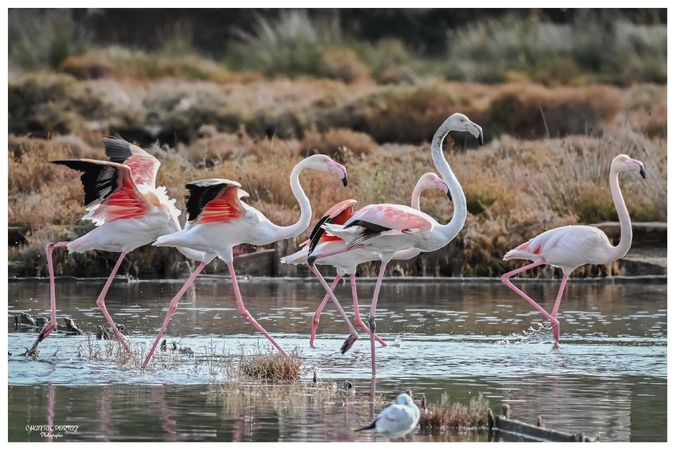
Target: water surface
462,338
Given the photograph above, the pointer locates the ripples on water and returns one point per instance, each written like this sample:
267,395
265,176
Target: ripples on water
608,378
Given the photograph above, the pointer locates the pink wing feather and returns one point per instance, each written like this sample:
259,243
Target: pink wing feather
394,217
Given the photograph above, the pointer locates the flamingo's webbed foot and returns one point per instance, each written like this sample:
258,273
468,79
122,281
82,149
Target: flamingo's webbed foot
348,343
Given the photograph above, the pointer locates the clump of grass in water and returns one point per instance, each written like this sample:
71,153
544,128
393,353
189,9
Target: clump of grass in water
445,415
273,367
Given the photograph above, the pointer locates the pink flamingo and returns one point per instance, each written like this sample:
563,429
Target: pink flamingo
576,245
217,220
387,228
345,263
127,208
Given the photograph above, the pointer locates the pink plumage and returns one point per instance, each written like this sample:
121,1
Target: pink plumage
386,228
346,262
576,245
218,221
128,210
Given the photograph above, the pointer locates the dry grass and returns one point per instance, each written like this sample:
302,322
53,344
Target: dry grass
520,184
515,190
340,144
446,415
273,367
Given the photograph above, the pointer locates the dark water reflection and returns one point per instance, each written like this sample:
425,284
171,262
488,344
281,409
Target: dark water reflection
608,378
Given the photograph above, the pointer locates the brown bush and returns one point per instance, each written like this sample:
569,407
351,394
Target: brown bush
338,143
89,66
529,111
342,64
400,114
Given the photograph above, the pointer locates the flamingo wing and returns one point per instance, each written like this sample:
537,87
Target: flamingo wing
380,220
143,165
568,243
386,217
110,192
338,214
214,200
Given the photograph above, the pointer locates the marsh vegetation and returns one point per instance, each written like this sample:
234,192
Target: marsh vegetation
557,102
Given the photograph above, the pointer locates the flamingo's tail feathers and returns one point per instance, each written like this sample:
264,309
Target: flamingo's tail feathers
521,252
194,255
296,258
165,241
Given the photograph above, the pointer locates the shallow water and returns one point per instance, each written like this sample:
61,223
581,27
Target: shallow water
607,378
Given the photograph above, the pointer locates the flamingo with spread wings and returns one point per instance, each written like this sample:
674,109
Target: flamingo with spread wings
387,228
217,220
576,245
129,210
345,263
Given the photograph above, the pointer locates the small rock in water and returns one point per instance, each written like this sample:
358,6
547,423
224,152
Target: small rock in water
71,327
24,320
186,351
107,333
41,322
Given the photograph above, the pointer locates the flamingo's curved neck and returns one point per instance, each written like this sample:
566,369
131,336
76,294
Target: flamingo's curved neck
452,228
416,194
301,225
624,219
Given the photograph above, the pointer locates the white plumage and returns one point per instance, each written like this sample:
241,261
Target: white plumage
396,420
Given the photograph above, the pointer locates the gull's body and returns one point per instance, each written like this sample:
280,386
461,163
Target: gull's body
396,420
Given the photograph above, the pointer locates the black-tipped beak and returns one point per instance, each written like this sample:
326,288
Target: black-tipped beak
480,138
344,180
449,195
310,260
642,172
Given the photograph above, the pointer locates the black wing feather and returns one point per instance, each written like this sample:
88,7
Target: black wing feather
117,149
98,180
201,193
317,232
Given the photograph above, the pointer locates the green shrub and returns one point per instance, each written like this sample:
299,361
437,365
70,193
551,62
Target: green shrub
292,45
40,38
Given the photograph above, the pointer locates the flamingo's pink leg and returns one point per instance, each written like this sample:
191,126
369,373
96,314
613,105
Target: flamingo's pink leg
507,282
353,335
371,317
101,303
357,316
51,326
172,308
556,326
317,314
245,314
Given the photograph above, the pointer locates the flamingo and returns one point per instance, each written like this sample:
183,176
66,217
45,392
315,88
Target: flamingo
217,220
345,263
387,228
129,210
572,246
396,420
